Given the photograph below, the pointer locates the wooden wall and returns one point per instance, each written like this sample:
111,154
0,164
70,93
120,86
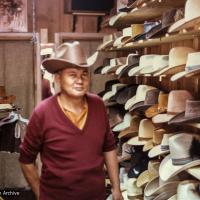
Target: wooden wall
50,15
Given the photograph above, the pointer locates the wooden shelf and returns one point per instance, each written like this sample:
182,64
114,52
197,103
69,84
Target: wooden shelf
16,36
159,41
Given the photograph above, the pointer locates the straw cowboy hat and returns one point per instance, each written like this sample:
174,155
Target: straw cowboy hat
146,61
156,140
176,104
149,174
140,96
146,129
192,16
157,186
150,99
165,195
159,108
4,99
188,190
177,60
180,158
66,55
132,189
131,60
192,67
162,148
132,130
124,124
191,113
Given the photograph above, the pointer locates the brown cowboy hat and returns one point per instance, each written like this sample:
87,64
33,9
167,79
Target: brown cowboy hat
66,55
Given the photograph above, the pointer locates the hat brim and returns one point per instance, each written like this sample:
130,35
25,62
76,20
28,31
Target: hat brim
158,33
113,20
135,71
162,118
153,188
174,197
126,69
150,70
105,45
167,194
55,65
178,76
138,142
154,110
130,102
183,24
194,171
170,70
180,118
140,106
156,151
120,40
172,170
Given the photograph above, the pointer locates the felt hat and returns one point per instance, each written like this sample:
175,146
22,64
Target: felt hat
125,153
180,158
159,108
162,148
191,113
125,93
162,28
149,174
4,99
131,60
108,40
159,63
146,61
113,91
150,100
116,114
124,124
156,140
146,129
66,55
157,186
188,189
106,62
114,63
140,96
177,60
192,67
132,130
192,16
176,104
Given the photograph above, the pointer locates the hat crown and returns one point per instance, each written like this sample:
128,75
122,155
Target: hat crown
179,146
71,52
160,61
146,60
158,136
162,100
193,61
141,92
165,142
146,129
192,9
168,17
178,56
177,101
127,31
132,59
152,97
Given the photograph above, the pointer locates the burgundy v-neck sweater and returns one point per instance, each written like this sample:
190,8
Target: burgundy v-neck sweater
72,158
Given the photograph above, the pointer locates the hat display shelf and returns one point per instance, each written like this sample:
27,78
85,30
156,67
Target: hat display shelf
189,40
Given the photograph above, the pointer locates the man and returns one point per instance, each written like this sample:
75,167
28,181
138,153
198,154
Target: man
70,130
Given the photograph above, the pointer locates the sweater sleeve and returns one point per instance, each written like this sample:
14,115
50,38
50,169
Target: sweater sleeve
32,143
109,141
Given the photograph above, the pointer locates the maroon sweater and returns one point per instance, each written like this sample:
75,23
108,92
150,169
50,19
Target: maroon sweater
72,158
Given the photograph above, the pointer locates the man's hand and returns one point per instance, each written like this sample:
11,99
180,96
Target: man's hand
117,195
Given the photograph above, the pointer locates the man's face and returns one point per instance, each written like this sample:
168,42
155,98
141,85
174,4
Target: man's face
73,81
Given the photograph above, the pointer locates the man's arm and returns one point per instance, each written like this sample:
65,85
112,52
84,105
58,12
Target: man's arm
113,172
31,174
